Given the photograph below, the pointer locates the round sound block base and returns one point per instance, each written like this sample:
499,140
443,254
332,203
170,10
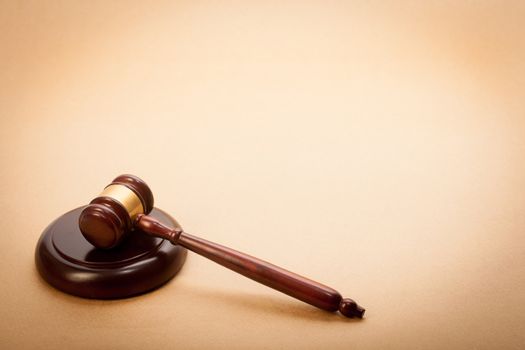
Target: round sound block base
140,264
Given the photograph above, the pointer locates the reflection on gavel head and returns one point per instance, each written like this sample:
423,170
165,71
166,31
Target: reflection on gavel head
109,217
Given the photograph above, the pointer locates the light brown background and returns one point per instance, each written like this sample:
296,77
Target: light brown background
377,147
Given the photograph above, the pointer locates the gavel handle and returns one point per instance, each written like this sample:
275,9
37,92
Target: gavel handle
287,282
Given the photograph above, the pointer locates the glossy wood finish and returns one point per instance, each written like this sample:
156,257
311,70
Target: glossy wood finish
285,281
138,186
105,222
139,264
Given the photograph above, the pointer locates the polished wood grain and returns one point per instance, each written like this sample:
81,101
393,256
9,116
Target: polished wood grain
105,223
138,186
137,265
285,281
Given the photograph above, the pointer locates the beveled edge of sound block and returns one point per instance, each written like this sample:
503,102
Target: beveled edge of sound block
140,264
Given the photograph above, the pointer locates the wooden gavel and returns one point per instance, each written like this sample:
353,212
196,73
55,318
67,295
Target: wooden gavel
123,206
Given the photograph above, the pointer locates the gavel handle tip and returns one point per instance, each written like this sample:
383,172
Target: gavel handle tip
349,308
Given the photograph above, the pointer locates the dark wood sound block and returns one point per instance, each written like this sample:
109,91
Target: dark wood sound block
140,264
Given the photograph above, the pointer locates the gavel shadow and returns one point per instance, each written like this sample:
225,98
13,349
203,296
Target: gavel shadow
268,304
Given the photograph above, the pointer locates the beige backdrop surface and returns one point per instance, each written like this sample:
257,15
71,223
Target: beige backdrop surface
378,147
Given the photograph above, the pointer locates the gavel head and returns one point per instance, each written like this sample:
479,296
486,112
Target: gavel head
109,217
